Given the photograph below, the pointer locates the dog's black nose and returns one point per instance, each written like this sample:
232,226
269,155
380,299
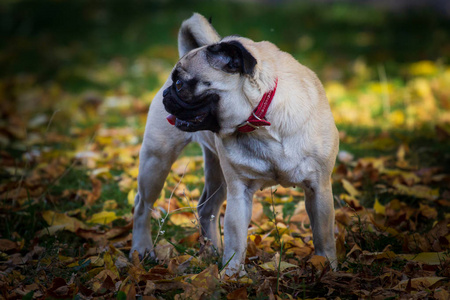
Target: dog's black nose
179,85
166,92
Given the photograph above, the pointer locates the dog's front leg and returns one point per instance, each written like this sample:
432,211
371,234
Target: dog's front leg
153,170
237,219
320,209
161,146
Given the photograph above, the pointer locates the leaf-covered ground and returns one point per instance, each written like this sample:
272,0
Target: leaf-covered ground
73,104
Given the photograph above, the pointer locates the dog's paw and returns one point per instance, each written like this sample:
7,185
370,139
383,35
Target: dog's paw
137,256
233,273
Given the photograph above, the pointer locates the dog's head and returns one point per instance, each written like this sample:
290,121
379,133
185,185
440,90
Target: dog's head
207,82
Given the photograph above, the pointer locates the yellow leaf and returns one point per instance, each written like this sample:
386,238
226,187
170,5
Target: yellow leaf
96,261
191,179
109,263
131,196
379,208
103,217
110,205
125,157
397,118
105,140
271,266
65,259
419,191
162,198
208,278
101,173
183,165
376,162
278,200
350,200
409,177
62,220
183,220
335,90
233,280
133,172
429,258
350,188
424,67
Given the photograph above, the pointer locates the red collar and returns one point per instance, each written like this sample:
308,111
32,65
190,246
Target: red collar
256,119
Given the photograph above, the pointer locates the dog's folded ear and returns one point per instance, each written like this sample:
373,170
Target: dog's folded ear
231,57
196,32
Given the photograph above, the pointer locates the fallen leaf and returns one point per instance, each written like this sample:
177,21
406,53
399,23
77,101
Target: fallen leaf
272,266
93,196
131,197
238,294
350,188
7,245
101,173
379,208
65,222
429,258
98,280
110,205
183,220
164,250
418,283
427,211
319,262
419,191
103,217
441,294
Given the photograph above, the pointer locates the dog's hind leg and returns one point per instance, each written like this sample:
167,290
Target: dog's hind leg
212,198
320,208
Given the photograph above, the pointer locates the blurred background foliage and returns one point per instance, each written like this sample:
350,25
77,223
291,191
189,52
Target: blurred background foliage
382,66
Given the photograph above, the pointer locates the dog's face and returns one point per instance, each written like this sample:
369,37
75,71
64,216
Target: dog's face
204,78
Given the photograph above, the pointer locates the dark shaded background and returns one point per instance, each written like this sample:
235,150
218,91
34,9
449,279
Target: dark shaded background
53,40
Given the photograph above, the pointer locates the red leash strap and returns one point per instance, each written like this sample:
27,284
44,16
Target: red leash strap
256,119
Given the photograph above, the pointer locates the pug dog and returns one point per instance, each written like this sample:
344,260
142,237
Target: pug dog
261,119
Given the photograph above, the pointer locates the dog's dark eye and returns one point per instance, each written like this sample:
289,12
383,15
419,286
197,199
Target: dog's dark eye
179,85
207,83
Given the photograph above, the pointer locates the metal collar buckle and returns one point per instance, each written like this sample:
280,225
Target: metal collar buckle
250,124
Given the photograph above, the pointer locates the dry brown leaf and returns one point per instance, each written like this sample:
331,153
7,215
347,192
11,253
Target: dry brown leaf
238,294
7,245
164,250
319,262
